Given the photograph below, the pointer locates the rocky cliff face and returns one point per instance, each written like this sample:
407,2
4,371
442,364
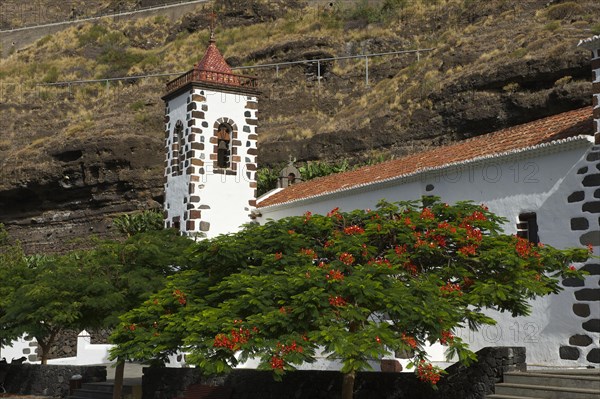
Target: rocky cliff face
71,162
90,184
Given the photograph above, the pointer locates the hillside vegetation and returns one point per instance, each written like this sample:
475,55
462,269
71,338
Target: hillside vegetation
99,146
18,13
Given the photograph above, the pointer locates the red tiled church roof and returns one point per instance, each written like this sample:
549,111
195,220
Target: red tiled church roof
556,127
213,61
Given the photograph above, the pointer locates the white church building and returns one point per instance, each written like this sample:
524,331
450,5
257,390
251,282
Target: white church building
543,176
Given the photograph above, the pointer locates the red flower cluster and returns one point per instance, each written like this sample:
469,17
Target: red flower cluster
473,233
468,250
180,297
351,230
337,301
309,252
347,259
410,267
285,349
409,223
467,282
523,247
236,338
381,262
420,242
427,373
335,213
447,226
277,362
449,288
335,275
307,217
278,256
476,215
400,249
440,239
447,337
410,341
427,214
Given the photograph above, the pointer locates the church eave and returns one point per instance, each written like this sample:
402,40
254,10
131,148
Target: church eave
535,150
243,90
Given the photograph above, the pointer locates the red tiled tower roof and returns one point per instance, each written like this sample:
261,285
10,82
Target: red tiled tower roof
213,61
213,70
514,139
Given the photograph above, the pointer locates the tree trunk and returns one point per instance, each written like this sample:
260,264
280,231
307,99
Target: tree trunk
44,359
44,348
119,371
348,385
47,344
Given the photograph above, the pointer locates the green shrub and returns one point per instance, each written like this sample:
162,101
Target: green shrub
92,35
51,75
137,106
134,223
364,11
564,11
519,53
43,40
119,60
552,26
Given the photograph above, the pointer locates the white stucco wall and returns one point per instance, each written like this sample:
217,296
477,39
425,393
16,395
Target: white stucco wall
225,200
537,181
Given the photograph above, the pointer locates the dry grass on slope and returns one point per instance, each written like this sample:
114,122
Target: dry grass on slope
473,40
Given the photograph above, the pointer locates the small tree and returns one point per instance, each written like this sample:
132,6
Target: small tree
356,286
11,257
43,295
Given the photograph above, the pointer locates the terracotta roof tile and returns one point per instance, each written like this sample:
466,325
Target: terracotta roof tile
556,127
213,61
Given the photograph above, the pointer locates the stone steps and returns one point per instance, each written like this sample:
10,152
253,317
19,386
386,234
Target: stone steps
572,384
104,390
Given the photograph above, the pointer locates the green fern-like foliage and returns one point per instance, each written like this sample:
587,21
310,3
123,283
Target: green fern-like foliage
134,223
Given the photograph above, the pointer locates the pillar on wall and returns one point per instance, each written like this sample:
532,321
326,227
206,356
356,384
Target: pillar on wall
593,44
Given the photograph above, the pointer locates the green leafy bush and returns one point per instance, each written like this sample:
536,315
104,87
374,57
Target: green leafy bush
135,223
91,35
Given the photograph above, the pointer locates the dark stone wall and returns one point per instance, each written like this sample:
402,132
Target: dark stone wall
167,383
472,382
479,379
46,380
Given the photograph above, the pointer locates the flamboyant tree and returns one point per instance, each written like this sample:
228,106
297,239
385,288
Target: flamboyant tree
355,286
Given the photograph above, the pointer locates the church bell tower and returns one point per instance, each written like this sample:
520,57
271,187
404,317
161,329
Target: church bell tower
211,146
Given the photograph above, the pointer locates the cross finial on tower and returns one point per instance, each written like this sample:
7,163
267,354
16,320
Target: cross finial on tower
213,23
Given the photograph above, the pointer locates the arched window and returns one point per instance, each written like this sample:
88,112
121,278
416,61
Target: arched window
223,145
